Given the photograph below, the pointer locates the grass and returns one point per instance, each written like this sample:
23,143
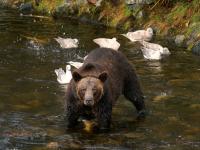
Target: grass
114,16
49,6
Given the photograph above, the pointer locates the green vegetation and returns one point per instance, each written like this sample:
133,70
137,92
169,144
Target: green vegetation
48,6
169,17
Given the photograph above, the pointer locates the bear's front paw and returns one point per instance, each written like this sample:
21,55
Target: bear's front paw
141,114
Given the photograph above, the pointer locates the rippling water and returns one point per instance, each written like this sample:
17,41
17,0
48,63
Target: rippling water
31,100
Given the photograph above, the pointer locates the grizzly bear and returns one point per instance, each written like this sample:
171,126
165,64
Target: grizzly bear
95,87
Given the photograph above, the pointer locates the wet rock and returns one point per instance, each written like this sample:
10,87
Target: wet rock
92,1
131,2
179,40
9,3
135,7
53,145
61,10
95,2
140,14
26,8
196,48
79,2
193,36
5,144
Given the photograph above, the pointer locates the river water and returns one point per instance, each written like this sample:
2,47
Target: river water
31,100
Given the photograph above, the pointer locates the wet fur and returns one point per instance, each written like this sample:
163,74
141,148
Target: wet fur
121,80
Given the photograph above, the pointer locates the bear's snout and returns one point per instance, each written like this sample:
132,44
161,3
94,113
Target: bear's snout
88,99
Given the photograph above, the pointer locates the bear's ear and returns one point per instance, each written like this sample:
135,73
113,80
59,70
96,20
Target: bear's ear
103,76
76,76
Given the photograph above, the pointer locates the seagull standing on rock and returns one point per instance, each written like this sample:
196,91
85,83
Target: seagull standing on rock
62,76
67,43
107,43
154,51
140,35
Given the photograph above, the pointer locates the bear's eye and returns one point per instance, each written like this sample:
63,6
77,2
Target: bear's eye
94,90
82,90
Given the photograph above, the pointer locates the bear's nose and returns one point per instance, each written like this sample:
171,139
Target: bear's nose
88,102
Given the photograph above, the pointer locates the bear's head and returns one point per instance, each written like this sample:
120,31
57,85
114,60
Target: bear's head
89,89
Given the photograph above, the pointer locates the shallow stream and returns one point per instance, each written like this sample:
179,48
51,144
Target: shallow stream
31,100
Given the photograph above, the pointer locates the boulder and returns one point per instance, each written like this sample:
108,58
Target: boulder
179,40
196,48
26,8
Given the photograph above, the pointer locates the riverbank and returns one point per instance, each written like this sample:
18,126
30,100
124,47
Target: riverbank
177,22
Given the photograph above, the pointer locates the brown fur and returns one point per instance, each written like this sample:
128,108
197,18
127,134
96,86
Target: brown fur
89,84
112,75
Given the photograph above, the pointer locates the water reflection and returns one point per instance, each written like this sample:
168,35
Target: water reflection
31,100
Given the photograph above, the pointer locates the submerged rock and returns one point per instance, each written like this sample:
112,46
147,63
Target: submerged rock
5,144
53,145
179,40
196,48
26,8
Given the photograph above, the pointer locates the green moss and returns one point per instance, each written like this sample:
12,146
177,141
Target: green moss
113,22
193,29
195,18
126,25
127,11
49,7
190,46
158,18
177,12
196,5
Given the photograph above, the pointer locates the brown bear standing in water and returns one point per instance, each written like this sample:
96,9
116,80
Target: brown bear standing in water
96,86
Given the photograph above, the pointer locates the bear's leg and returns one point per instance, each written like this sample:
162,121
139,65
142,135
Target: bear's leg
71,109
71,117
133,92
103,115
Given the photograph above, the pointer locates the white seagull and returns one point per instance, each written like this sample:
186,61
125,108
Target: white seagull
67,43
62,76
154,51
107,43
140,35
75,64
